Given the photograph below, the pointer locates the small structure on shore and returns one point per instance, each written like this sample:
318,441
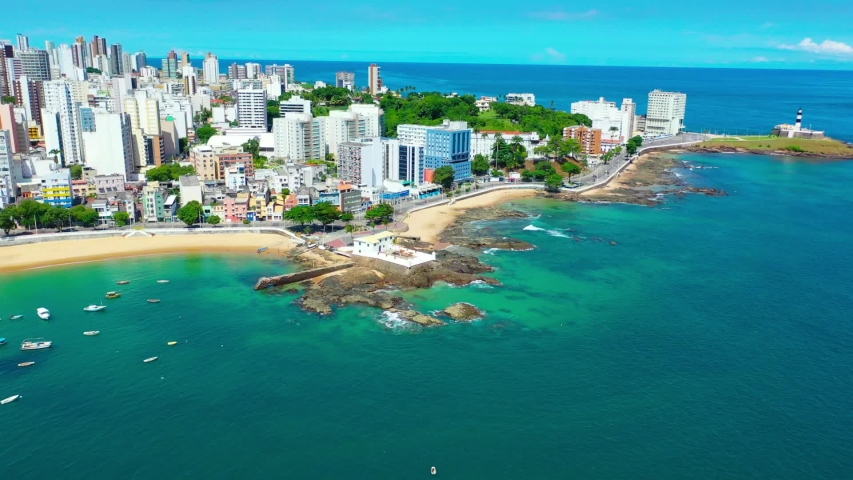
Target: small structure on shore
381,246
796,130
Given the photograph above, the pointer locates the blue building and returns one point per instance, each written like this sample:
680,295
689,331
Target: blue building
410,164
449,146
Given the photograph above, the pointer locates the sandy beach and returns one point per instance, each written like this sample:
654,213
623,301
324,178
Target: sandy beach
621,178
22,257
428,224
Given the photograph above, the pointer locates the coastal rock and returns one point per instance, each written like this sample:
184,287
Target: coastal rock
463,312
465,233
711,192
419,318
316,305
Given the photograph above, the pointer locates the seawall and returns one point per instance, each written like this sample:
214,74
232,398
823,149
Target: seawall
277,281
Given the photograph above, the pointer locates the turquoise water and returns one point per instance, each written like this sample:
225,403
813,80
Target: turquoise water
713,341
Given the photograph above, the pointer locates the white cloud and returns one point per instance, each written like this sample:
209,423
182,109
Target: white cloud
562,16
828,47
760,60
555,55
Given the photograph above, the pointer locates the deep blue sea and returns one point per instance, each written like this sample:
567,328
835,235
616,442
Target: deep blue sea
714,340
720,100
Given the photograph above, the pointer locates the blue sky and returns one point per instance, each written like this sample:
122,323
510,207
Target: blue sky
724,33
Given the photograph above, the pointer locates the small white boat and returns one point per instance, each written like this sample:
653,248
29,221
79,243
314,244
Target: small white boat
43,313
94,308
35,344
172,344
149,360
92,333
9,399
162,281
15,317
122,282
26,364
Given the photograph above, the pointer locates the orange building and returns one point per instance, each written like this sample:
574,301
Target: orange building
589,138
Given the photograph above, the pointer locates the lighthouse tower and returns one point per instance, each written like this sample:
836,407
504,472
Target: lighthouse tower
799,125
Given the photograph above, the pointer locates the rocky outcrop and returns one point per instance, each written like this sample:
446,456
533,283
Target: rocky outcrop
466,233
419,318
463,312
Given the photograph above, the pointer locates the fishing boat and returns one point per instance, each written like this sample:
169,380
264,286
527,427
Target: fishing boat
91,333
94,308
172,344
2,341
43,313
113,294
15,317
9,399
149,360
153,300
26,364
162,281
122,282
35,344
263,249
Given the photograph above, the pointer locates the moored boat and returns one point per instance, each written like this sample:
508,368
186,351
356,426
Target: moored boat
172,344
153,300
2,341
94,308
9,399
15,317
122,282
43,313
26,364
149,360
263,249
91,333
113,294
162,281
35,344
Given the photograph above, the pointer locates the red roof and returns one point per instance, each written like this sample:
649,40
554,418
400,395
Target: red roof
339,243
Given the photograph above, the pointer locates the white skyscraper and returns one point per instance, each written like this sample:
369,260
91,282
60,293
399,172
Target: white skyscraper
629,119
665,115
211,70
252,108
299,137
7,178
58,100
108,145
252,70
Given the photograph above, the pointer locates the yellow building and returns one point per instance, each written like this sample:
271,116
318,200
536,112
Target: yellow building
258,206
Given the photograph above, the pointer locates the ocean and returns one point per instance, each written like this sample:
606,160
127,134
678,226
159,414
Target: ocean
721,100
713,340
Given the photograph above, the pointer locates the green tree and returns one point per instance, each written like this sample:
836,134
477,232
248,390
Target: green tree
121,218
443,176
168,172
93,70
285,192
84,215
634,144
347,217
184,146
326,213
527,175
252,146
30,213
301,214
497,173
260,162
213,220
480,165
76,172
246,221
571,168
7,219
57,217
190,213
553,181
8,99
379,213
204,132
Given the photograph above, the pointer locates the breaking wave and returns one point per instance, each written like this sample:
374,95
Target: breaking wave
553,233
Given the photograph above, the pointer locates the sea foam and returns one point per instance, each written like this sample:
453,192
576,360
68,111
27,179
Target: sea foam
553,233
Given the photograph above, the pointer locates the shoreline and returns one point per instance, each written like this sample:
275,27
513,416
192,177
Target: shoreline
16,258
429,223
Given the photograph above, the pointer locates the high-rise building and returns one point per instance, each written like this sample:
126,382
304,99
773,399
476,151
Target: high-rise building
665,115
449,145
286,72
185,60
56,188
116,60
66,62
101,63
59,102
16,124
35,64
23,42
28,94
629,119
299,137
6,53
345,80
361,162
170,66
237,72
108,143
190,80
98,47
589,138
78,53
87,60
374,79
252,108
252,70
141,60
7,178
211,69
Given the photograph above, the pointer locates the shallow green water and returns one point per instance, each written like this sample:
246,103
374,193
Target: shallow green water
713,340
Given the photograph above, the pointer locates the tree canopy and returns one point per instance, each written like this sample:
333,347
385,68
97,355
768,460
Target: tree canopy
480,165
76,172
301,214
190,213
121,218
213,220
84,215
326,213
7,219
634,144
571,168
380,213
168,172
553,181
204,132
444,176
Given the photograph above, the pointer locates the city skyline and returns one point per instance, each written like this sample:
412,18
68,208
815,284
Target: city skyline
763,35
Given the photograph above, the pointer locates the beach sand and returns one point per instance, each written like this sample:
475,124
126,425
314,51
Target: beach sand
621,178
428,224
22,257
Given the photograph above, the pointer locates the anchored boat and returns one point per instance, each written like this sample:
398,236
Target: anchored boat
15,317
149,360
122,282
26,364
9,399
94,308
113,294
92,333
43,313
35,344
